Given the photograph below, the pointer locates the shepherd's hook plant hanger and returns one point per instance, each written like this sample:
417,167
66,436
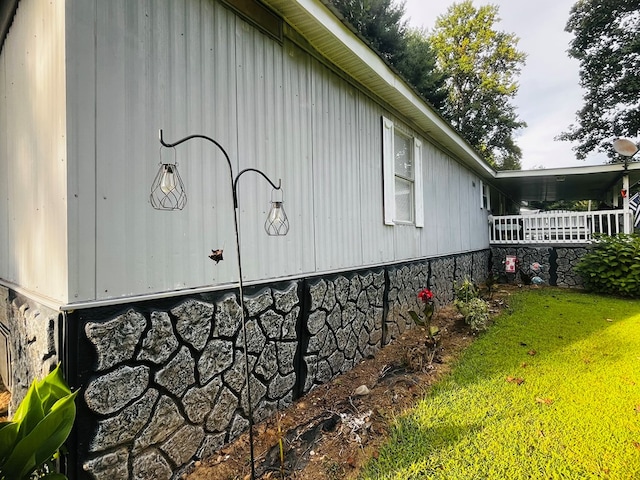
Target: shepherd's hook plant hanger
168,193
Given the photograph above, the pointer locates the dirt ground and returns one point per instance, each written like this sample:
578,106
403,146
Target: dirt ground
331,432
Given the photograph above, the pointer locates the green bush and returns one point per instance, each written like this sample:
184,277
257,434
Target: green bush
474,309
612,266
466,291
475,312
30,442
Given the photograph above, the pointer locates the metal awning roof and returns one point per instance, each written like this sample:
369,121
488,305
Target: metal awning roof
596,182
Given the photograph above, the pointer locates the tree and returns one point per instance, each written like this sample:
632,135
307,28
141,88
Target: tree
481,65
409,51
417,64
607,45
379,22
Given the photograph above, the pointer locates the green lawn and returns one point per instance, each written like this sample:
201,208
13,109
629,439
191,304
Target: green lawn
550,391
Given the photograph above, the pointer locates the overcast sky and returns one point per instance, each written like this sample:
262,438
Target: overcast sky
550,93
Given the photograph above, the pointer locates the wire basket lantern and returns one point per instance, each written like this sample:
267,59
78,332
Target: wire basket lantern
167,189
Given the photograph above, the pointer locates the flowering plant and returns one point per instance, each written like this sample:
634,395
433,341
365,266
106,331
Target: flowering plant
423,318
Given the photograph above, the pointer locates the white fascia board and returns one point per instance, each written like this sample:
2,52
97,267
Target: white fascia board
566,171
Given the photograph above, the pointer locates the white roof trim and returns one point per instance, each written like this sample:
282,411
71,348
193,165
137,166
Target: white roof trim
581,170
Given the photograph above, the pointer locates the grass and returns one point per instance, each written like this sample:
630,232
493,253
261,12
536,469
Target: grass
551,391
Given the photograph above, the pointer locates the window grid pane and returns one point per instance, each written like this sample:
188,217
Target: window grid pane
402,156
404,200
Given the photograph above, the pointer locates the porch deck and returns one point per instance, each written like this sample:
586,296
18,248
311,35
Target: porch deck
554,227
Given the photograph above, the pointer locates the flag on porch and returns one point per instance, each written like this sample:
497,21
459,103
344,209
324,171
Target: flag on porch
634,205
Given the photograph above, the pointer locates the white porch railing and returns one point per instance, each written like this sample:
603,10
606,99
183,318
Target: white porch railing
554,227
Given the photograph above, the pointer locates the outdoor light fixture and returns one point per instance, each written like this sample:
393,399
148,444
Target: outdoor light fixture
277,222
167,189
167,193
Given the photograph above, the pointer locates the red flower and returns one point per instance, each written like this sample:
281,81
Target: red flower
425,295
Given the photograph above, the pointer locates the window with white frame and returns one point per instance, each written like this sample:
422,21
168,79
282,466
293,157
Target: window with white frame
402,169
404,178
485,199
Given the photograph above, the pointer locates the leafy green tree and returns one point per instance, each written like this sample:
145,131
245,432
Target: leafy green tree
481,66
607,45
379,22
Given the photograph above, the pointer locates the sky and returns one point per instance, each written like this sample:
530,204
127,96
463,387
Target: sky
550,94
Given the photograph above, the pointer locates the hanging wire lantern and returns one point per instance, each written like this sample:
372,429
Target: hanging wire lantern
167,189
277,223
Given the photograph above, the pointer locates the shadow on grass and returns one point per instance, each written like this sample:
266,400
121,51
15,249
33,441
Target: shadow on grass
417,452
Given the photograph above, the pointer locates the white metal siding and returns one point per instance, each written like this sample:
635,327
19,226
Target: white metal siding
81,142
377,239
194,67
336,172
33,153
274,135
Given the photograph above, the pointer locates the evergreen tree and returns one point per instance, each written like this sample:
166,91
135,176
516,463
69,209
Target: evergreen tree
417,64
380,23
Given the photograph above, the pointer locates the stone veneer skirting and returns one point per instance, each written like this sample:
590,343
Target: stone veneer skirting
557,262
163,381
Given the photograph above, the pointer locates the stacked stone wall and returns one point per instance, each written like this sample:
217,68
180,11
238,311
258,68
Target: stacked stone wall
566,261
33,344
557,263
164,382
170,385
343,326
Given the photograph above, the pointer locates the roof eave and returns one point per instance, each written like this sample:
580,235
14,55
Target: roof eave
7,12
341,46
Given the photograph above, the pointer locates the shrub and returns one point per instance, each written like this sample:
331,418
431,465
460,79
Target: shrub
612,266
466,291
476,313
474,309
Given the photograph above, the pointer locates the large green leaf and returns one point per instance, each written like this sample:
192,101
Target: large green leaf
30,412
52,388
43,441
416,318
8,435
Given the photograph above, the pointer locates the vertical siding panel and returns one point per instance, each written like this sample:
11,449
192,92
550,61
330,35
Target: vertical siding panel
262,135
445,231
81,121
4,172
452,195
258,94
335,172
35,155
431,219
295,251
377,238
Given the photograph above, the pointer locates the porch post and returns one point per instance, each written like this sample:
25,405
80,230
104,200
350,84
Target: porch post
625,204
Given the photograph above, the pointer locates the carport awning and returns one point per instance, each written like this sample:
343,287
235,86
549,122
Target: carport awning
595,182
